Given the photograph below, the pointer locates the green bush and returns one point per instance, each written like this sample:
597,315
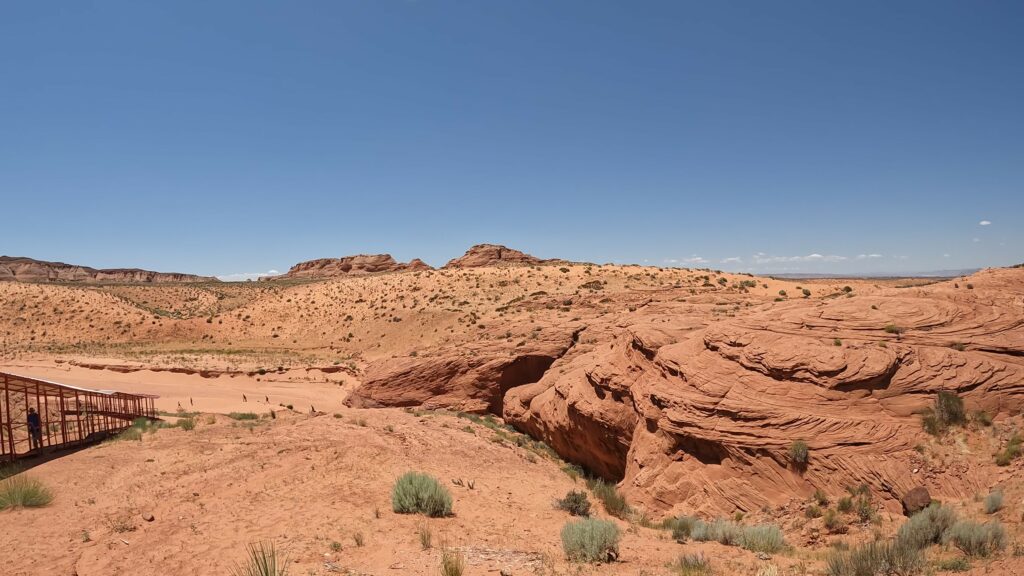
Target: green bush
262,560
977,539
681,526
927,527
243,416
994,502
949,408
24,492
812,511
614,502
417,493
845,504
1011,451
763,538
798,452
575,503
690,565
590,540
834,523
876,558
187,424
760,538
821,498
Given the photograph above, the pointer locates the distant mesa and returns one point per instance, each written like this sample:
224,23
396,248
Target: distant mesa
492,255
19,269
478,256
350,266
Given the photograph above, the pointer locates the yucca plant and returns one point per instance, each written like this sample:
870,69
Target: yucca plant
262,560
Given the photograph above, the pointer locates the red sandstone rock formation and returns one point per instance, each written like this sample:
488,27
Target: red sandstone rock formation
19,269
350,265
695,411
491,255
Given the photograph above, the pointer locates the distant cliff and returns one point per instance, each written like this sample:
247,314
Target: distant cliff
18,269
349,266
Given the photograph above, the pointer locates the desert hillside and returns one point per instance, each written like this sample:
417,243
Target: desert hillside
697,392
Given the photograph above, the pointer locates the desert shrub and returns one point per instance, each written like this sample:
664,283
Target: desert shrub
760,538
927,527
845,504
798,452
1011,451
864,509
947,411
949,408
893,329
681,526
426,536
763,538
994,502
821,498
590,540
837,342
690,565
806,292
575,503
24,492
613,501
977,539
243,416
262,560
983,418
131,434
452,563
415,492
876,558
719,530
812,511
187,424
958,564
834,523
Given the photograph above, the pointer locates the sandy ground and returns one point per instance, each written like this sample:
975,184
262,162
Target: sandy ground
305,482
195,393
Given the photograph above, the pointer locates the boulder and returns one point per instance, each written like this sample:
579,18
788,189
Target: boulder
915,500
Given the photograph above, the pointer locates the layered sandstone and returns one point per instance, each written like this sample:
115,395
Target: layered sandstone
20,269
696,411
491,255
349,266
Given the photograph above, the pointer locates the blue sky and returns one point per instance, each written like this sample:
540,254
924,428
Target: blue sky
241,137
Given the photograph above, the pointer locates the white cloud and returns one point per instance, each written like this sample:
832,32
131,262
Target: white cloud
761,258
975,239
671,261
945,255
732,260
696,260
984,223
243,276
867,256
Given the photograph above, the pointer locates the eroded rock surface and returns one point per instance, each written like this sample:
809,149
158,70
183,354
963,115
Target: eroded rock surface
491,255
18,269
693,400
350,265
